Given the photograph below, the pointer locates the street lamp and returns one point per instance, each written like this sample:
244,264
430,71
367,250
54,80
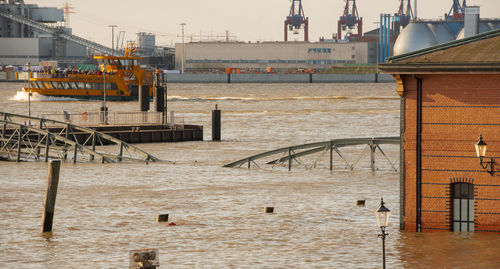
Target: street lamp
378,40
113,37
104,108
29,89
481,152
183,48
382,215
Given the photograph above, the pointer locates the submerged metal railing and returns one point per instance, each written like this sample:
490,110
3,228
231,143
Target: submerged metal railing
288,155
114,118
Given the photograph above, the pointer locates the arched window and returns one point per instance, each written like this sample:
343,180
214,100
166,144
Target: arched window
463,206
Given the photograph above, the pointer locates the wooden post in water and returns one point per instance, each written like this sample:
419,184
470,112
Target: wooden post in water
331,155
372,156
50,195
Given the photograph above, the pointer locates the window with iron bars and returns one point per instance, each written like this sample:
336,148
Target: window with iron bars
463,207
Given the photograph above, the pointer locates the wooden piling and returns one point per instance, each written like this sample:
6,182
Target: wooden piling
360,202
50,195
162,218
331,155
372,156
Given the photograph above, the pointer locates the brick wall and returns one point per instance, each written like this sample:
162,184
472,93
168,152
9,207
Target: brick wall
455,110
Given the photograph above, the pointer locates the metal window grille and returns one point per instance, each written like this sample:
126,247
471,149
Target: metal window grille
463,207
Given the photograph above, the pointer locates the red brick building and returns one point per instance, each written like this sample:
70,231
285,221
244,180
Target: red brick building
450,95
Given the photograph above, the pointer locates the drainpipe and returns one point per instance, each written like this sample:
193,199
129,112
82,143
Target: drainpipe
419,153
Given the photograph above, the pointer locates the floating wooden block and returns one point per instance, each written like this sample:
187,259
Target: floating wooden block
360,202
162,218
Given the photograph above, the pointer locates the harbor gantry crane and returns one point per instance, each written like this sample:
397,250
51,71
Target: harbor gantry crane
296,19
457,11
350,20
403,17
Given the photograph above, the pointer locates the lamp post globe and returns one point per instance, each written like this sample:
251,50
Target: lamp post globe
382,214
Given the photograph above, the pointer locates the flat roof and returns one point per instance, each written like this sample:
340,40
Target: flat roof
476,54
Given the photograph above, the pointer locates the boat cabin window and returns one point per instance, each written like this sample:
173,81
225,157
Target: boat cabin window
114,62
47,85
67,85
81,85
34,84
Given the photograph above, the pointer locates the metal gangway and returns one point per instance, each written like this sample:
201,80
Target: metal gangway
24,138
288,155
59,32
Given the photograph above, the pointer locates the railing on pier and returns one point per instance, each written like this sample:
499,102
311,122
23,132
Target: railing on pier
288,155
115,118
25,138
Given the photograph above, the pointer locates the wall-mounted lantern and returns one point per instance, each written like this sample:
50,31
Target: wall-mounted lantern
481,152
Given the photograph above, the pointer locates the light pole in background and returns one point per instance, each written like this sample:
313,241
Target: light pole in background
104,108
382,215
378,40
29,89
113,37
183,48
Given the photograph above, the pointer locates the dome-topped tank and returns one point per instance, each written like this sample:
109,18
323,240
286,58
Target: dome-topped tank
441,33
415,36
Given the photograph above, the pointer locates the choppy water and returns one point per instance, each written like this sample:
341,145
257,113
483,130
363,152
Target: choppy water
103,211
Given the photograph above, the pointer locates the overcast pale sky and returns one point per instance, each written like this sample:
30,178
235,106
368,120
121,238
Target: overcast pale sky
250,20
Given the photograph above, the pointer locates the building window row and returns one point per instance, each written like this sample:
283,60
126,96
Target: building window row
320,50
318,62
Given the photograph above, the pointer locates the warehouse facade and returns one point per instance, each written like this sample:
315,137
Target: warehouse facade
450,96
279,55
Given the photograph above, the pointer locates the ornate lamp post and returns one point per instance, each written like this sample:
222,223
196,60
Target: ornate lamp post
382,215
481,152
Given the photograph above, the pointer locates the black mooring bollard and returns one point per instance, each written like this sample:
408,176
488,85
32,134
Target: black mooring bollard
216,124
269,209
143,98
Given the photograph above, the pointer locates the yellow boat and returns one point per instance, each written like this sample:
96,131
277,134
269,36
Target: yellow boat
121,74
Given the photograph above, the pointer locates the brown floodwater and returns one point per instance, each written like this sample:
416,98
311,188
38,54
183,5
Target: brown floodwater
105,210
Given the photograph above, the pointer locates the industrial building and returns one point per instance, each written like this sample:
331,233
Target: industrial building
450,97
21,43
152,55
33,34
280,55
